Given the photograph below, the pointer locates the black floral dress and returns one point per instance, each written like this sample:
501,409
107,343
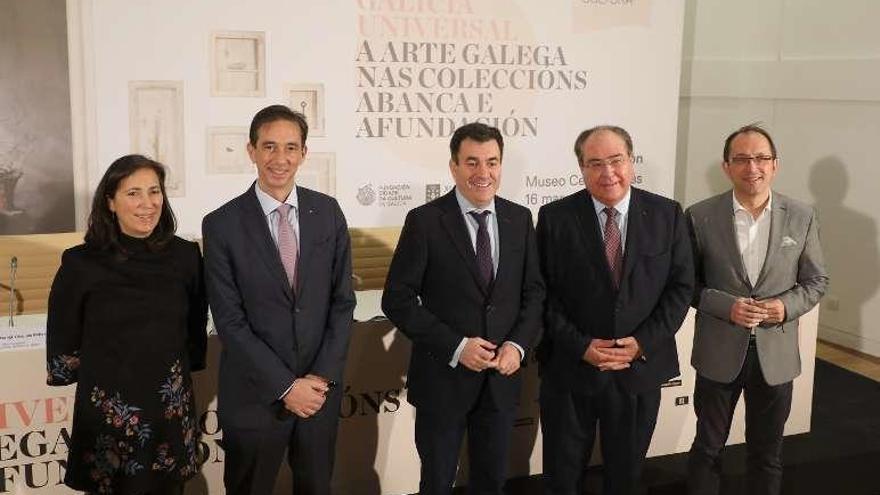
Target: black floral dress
129,329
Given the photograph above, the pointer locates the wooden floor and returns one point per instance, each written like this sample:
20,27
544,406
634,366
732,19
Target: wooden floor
857,362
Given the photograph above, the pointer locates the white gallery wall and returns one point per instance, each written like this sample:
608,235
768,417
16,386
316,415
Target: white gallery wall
810,71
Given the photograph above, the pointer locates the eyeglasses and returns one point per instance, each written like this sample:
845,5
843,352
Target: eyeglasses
743,160
616,162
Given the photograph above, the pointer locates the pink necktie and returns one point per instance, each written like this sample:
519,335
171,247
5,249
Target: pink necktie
613,252
287,245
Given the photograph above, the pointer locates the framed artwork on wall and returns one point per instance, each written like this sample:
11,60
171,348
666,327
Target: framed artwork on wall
308,99
156,128
318,172
238,63
227,151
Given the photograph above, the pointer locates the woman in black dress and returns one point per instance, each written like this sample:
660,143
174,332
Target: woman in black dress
127,318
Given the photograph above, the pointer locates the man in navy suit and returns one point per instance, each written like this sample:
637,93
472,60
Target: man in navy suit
465,287
617,263
278,269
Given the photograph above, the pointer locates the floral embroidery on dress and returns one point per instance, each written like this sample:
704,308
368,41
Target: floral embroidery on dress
189,443
122,416
173,393
164,458
115,454
61,369
177,399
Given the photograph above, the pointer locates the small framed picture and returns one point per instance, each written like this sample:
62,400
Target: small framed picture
318,172
227,151
238,63
308,99
156,128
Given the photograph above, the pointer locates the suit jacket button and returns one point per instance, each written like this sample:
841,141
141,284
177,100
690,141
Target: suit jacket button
296,310
490,308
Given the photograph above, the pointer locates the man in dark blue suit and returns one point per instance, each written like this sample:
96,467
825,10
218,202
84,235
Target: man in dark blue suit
619,272
465,287
278,269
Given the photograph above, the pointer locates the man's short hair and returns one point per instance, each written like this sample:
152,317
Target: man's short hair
584,135
756,128
478,132
277,112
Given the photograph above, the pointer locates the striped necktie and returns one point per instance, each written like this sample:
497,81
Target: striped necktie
288,247
613,251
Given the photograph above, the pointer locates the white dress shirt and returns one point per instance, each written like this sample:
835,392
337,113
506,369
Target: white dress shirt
752,237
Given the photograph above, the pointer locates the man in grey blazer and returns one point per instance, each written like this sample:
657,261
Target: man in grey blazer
278,273
758,269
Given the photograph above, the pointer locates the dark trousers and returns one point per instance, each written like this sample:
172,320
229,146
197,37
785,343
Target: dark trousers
767,409
253,455
438,441
568,423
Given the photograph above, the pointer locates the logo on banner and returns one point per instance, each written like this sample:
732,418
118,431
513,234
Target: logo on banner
398,194
597,15
432,192
366,195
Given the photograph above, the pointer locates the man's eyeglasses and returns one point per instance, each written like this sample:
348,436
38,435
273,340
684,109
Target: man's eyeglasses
743,160
615,162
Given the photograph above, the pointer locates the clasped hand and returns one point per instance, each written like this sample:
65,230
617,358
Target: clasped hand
306,396
749,313
480,355
612,354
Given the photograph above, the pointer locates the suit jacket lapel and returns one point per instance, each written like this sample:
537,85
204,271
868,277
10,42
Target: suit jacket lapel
308,229
636,219
778,220
506,235
727,235
453,222
594,243
256,228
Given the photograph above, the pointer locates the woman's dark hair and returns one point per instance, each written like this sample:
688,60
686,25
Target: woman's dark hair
103,231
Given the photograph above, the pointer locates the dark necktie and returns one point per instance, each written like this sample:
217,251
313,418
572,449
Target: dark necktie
613,251
287,245
483,248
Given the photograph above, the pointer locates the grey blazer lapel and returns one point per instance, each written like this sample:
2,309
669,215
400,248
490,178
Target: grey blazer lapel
778,222
727,235
256,228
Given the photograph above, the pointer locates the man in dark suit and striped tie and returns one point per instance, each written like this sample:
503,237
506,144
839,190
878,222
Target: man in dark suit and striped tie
619,274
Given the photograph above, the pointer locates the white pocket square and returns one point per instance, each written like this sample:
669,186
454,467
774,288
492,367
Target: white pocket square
788,241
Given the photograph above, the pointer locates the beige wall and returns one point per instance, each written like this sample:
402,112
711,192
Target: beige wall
810,71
